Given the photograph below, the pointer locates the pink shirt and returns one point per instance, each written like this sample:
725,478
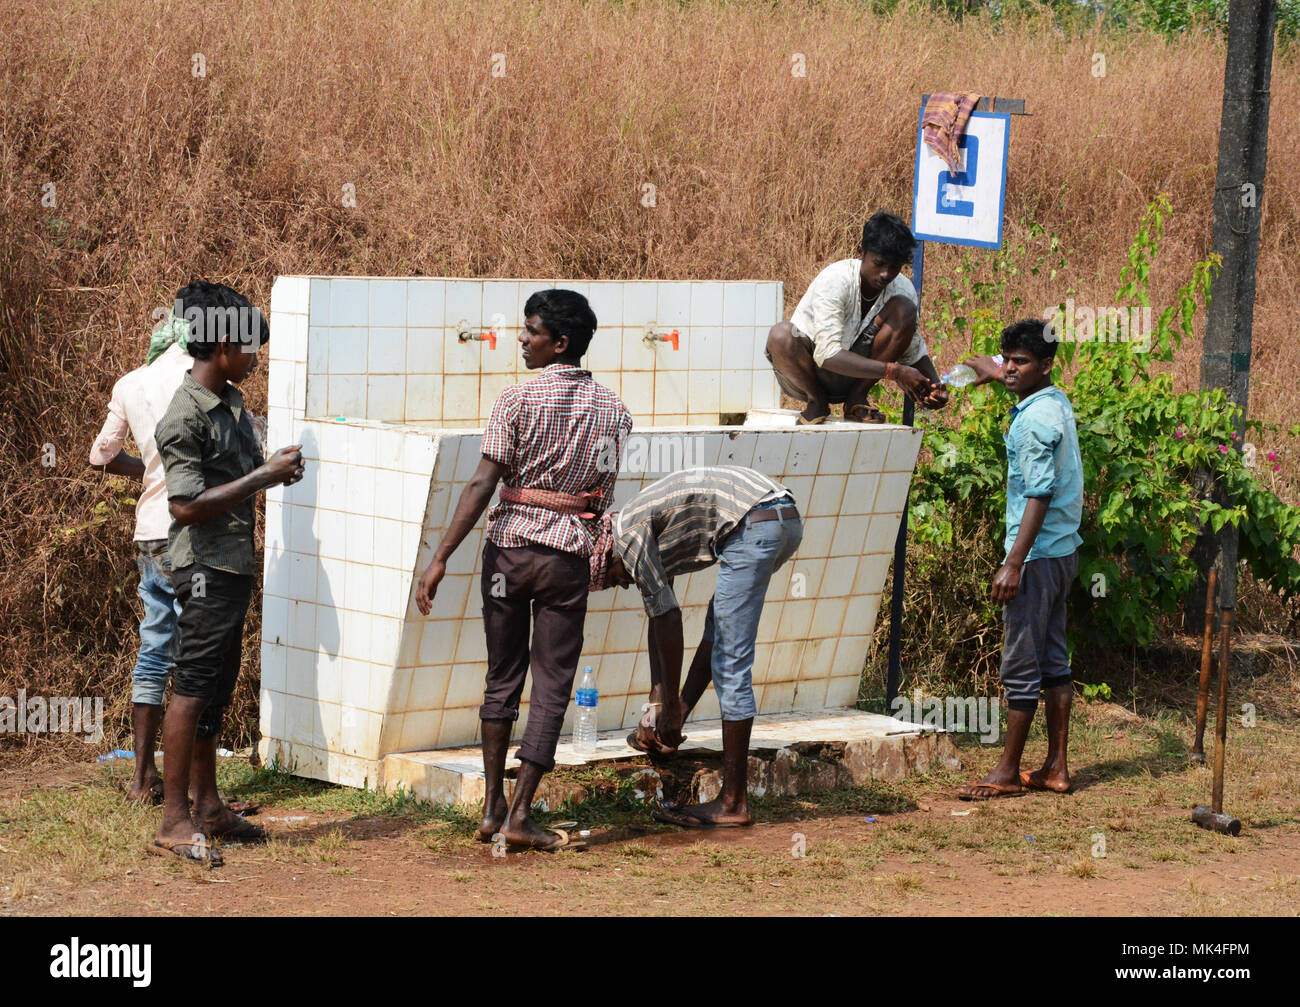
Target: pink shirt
139,400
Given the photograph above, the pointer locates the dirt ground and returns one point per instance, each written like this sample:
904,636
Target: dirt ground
1121,844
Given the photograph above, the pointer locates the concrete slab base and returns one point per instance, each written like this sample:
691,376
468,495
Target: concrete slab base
790,753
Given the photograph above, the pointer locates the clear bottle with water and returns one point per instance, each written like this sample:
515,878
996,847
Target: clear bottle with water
963,374
584,726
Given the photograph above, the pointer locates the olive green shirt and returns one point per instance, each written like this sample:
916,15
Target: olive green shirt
206,440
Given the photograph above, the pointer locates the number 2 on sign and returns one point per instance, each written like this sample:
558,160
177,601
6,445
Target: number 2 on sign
946,202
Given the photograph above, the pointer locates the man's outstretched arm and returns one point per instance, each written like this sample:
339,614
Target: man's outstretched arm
474,499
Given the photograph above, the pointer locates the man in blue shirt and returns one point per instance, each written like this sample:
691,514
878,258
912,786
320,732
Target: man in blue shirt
1044,507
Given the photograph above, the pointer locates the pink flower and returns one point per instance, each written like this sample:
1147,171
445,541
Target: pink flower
1179,432
1272,456
1223,449
1277,468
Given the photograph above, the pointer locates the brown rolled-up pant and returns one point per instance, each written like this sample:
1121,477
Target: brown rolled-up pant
553,584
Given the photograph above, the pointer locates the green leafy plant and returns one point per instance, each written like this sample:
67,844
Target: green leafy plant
1143,445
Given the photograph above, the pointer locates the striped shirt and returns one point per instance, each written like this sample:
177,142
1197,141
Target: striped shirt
561,431
206,440
673,526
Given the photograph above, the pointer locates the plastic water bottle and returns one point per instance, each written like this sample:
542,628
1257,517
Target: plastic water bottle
963,374
584,727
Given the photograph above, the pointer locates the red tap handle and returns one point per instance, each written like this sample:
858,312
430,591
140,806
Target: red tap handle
673,338
491,338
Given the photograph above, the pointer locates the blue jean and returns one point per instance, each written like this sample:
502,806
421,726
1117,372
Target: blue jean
747,558
154,666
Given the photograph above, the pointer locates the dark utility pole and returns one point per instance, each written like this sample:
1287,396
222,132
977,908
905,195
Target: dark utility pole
1238,204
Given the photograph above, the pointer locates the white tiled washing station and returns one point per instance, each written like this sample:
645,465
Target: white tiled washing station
372,377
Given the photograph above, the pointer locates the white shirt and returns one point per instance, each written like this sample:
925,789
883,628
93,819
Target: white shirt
830,311
139,400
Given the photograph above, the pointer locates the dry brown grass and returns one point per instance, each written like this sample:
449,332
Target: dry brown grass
161,177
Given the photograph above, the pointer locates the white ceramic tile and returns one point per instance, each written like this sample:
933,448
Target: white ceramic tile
275,619
706,303
302,622
387,351
872,570
817,532
869,457
387,303
360,489
360,538
903,446
346,350
828,491
349,301
767,305
860,493
828,615
805,452
892,492
358,587
850,531
638,355
838,447
673,304
424,350
460,397
319,304
670,394
331,533
489,390
764,394
640,304
464,304
385,633
742,349
606,300
355,635
770,452
303,572
424,303
738,449
738,304
385,394
882,534
704,393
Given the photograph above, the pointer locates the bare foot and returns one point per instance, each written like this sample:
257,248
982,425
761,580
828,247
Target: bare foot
187,842
492,821
712,815
225,824
529,835
814,412
1047,778
146,790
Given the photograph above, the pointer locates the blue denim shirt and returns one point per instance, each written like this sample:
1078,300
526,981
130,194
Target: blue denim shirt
1043,461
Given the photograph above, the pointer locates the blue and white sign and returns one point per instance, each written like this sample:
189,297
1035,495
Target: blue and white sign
964,207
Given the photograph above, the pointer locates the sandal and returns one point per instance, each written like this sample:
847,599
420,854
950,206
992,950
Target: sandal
864,413
968,792
679,816
1027,783
560,842
192,851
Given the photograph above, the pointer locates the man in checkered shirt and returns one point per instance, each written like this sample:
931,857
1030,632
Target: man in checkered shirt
554,444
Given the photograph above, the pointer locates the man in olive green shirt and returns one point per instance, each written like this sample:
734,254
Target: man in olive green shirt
213,469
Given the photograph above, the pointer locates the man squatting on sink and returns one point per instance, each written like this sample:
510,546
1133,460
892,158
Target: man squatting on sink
855,325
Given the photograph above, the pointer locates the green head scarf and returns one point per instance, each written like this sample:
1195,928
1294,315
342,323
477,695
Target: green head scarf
174,330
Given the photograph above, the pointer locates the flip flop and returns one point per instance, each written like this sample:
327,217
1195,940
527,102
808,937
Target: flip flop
997,788
863,413
675,816
561,841
189,851
1028,784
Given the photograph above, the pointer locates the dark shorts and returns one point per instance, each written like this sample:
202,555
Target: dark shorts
834,387
543,589
1034,651
209,635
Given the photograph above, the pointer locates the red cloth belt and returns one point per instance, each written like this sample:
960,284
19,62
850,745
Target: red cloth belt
565,503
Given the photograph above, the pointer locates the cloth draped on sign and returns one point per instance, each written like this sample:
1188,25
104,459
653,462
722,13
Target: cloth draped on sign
944,122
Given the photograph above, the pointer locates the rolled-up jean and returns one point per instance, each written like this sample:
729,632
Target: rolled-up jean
747,558
153,666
